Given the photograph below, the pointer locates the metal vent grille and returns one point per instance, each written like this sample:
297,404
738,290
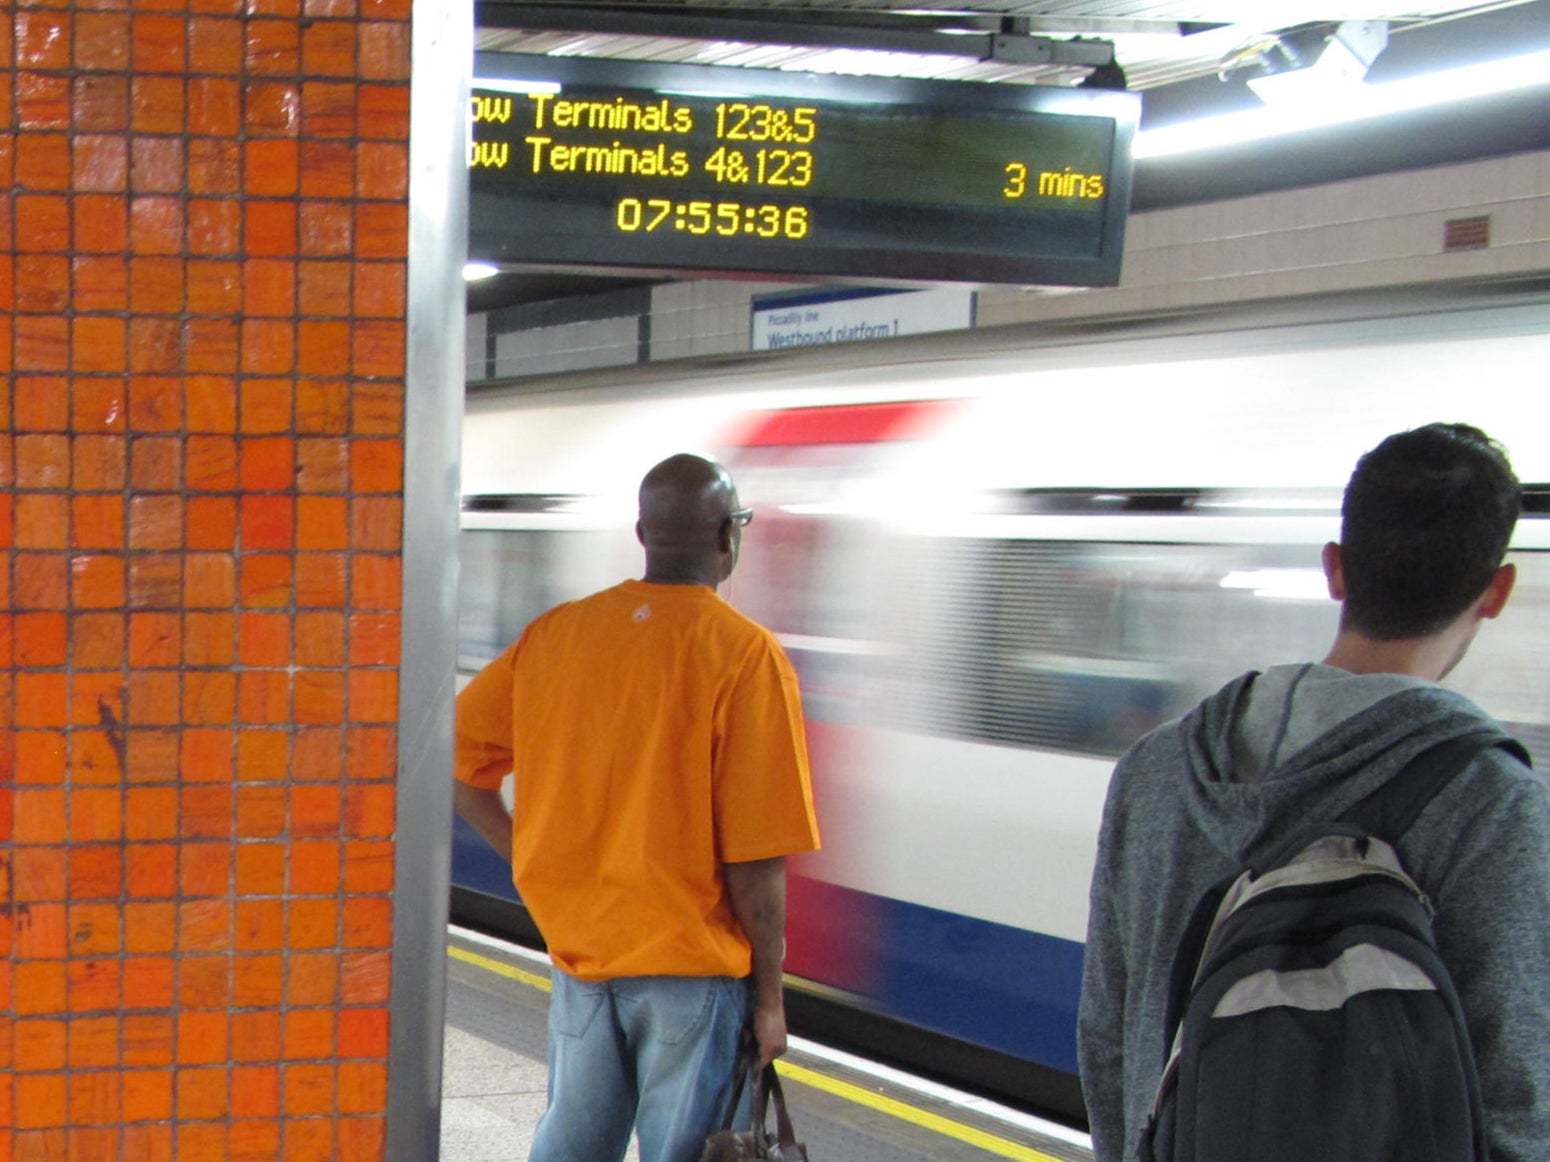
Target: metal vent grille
1467,233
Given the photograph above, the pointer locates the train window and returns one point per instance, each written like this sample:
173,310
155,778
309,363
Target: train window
505,579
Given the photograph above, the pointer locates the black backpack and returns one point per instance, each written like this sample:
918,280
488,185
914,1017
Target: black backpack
1310,1016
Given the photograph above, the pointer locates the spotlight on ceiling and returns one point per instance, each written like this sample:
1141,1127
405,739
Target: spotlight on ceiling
475,271
1310,63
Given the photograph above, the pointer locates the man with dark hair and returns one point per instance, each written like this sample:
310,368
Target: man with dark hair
661,780
1426,522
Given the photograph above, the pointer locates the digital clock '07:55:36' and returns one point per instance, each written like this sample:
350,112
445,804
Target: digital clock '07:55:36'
729,219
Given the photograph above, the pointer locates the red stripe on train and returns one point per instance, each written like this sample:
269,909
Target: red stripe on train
867,423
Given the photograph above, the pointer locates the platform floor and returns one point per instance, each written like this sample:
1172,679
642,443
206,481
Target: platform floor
846,1110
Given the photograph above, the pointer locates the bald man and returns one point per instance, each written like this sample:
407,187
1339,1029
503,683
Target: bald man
661,780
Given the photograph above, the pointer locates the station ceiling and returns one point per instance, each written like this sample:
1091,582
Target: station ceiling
1171,51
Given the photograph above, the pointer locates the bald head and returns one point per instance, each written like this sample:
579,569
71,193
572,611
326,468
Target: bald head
686,505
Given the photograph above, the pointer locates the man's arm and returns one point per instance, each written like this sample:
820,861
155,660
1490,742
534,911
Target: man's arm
757,891
485,811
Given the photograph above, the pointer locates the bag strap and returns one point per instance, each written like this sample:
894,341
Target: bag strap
766,1088
1389,811
746,1066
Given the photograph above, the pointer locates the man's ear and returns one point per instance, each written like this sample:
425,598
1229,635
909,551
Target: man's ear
724,536
640,534
1494,599
1334,570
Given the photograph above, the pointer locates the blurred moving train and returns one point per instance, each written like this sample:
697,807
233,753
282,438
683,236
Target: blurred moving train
997,558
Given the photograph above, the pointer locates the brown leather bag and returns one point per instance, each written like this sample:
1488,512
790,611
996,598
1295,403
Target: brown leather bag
729,1145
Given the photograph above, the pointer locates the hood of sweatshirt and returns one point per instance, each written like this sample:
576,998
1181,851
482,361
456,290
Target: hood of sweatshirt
1272,751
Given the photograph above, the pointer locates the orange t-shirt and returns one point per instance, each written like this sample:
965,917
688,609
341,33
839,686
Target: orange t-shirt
655,733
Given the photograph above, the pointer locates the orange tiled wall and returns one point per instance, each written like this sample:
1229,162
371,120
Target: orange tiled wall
202,285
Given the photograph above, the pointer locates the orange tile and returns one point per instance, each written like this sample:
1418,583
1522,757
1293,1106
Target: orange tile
39,756
150,756
101,223
94,929
268,465
260,926
147,1098
323,348
211,345
97,699
209,581
93,1042
255,1089
376,582
270,228
266,583
327,228
253,1140
368,867
312,979
309,1138
205,870
328,167
159,44
96,521
97,581
156,462
98,344
207,756
318,697
362,1087
315,865
272,166
264,639
362,1138
214,288
155,639
151,812
42,580
209,639
215,43
319,753
42,461
314,923
260,811
267,522
42,224
150,926
380,289
328,48
211,522
156,104
39,986
268,347
148,1039
273,47
156,287
40,639
214,163
271,108
41,521
307,1089
323,465
39,1045
204,811
255,1036
320,580
262,755
97,641
323,288
261,869
263,697
319,636
214,227
153,698
210,401
102,41
204,982
204,925
256,981
383,170
100,463
96,872
39,816
151,869
40,1145
100,283
95,985
42,1100
371,753
42,284
155,581
156,402
96,815
42,39
384,50
148,982
203,1093
379,348
363,1033
200,1139
100,104
96,405
40,875
42,161
96,1099
203,1037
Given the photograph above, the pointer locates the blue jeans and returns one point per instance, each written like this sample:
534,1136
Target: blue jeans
655,1053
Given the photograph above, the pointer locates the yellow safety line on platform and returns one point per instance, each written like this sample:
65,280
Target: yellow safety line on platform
906,1112
498,967
842,1089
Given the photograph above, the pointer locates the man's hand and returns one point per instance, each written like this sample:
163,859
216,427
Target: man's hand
769,1032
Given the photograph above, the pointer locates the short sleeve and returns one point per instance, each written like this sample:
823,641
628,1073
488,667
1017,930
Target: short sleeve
764,794
482,742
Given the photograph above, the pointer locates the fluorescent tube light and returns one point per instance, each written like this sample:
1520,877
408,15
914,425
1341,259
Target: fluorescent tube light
474,271
1358,103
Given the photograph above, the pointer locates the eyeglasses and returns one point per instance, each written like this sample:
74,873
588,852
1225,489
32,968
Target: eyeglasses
740,517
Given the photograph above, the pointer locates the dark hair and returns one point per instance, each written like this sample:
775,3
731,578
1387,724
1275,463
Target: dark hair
1425,525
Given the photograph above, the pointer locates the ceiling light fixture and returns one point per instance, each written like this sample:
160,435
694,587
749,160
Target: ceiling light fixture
475,271
1361,102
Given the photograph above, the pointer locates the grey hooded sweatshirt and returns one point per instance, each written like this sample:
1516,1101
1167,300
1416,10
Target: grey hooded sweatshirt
1197,799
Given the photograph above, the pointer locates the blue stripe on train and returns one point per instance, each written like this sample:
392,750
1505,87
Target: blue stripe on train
990,984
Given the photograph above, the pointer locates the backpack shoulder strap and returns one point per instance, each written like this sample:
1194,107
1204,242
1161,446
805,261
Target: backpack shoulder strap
1388,811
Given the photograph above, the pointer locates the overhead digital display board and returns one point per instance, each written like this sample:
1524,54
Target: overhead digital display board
638,166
